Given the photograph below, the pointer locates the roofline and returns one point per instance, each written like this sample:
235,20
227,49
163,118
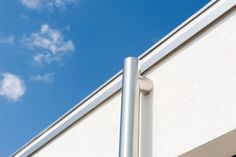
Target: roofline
209,13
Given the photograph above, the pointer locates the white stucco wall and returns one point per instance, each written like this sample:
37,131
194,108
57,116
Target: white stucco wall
193,102
95,135
223,146
194,96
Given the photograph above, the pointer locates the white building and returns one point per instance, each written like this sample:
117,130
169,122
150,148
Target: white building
190,112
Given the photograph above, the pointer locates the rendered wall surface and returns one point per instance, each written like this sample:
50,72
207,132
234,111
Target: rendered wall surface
193,102
97,134
194,97
223,146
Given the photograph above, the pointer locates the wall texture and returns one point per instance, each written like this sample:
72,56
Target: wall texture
194,97
97,134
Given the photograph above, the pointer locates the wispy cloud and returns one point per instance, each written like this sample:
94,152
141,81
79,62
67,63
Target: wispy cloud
12,87
24,16
50,42
31,4
48,4
47,78
7,40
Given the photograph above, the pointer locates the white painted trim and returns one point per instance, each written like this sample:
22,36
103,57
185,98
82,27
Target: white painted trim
181,34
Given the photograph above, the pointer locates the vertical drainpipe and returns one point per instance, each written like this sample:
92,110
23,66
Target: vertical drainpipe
132,85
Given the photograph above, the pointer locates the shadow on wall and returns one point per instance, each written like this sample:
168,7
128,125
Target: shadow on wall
146,119
223,146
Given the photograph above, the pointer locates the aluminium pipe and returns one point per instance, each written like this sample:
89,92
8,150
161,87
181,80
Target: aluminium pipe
132,84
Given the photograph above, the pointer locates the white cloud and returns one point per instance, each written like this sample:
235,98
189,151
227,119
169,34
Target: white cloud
31,4
48,78
12,87
7,40
50,42
48,4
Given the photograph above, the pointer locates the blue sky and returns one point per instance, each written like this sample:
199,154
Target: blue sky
53,53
